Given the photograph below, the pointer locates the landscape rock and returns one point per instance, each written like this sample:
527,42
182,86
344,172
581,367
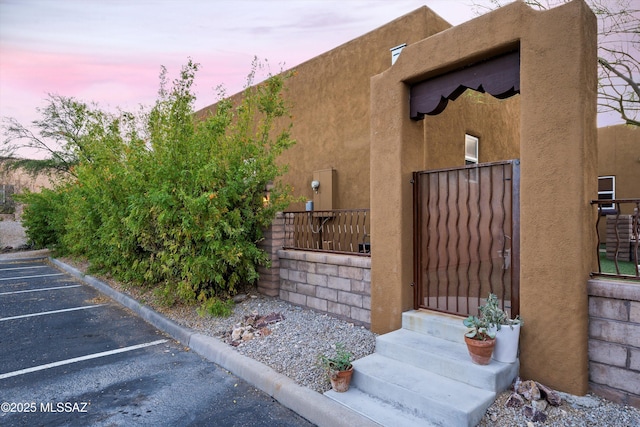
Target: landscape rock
540,405
529,390
552,396
253,326
514,401
239,298
534,415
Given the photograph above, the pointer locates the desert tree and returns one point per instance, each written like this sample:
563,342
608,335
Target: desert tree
618,52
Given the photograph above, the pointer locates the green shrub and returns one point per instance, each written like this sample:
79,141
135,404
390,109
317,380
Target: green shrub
166,200
216,307
44,217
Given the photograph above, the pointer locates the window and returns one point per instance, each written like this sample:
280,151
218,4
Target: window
607,191
470,150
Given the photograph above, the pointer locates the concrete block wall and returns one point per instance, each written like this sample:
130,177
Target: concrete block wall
336,284
614,340
269,281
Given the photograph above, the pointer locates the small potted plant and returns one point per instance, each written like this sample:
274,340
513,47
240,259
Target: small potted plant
480,340
507,338
338,368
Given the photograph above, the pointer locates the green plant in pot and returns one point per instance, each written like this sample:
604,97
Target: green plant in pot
507,338
480,340
338,368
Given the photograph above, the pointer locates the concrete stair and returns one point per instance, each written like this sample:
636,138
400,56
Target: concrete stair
422,375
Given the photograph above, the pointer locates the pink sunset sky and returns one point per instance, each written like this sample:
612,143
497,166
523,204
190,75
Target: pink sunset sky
110,51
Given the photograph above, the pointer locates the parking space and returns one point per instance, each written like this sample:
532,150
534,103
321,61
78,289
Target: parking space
70,356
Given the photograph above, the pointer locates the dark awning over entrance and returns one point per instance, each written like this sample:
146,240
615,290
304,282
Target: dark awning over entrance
498,76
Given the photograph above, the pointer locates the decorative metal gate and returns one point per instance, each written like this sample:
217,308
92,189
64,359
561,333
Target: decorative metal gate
467,237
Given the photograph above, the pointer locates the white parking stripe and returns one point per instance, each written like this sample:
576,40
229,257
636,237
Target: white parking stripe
2,319
38,290
31,277
23,268
79,359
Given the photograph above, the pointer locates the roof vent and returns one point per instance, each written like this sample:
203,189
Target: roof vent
395,52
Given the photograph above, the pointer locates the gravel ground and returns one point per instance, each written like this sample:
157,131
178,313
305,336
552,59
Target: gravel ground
12,236
291,346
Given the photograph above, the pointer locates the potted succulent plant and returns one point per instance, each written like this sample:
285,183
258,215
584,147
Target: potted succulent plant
507,330
338,368
480,340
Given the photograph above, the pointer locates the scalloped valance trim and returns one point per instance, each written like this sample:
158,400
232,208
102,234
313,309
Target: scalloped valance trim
498,76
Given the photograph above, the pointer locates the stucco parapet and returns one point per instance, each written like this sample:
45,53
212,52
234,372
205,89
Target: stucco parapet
614,289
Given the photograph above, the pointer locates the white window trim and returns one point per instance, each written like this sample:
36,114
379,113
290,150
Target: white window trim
611,192
468,140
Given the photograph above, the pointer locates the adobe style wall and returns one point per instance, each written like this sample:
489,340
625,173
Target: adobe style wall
619,155
495,122
557,147
21,181
331,111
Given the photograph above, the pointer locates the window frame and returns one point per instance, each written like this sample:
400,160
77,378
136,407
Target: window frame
468,158
610,208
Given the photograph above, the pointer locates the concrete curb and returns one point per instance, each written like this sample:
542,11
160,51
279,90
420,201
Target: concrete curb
315,407
25,255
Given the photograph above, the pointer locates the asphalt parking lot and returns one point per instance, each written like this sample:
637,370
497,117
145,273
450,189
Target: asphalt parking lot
71,356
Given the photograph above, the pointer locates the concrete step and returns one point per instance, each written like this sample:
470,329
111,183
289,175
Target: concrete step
422,374
380,411
447,358
414,391
439,325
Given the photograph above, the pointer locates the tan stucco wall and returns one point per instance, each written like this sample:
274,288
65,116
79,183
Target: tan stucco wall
22,181
619,155
495,122
329,98
558,155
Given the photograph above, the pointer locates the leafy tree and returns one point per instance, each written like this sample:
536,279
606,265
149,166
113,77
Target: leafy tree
618,52
166,200
59,133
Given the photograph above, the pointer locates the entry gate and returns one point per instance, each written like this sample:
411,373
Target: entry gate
467,237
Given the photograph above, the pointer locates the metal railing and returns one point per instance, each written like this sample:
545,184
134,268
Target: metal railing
618,253
337,231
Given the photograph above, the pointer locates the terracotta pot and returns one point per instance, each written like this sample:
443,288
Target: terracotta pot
480,351
340,382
